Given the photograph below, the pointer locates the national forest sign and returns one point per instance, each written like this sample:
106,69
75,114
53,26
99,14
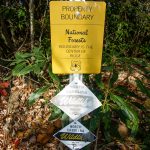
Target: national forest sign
77,30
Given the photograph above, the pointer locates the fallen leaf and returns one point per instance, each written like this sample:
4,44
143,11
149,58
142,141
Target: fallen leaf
50,129
16,143
27,133
33,139
4,84
136,147
3,92
57,123
20,134
147,103
122,129
43,138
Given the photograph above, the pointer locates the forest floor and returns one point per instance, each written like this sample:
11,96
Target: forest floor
22,127
28,128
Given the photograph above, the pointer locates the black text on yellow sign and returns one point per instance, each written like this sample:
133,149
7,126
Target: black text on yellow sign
77,30
88,137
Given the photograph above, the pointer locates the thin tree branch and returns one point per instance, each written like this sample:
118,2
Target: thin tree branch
40,38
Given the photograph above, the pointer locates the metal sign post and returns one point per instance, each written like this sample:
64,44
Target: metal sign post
77,29
73,76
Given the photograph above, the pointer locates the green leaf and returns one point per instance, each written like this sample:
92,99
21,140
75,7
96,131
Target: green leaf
95,120
99,83
22,56
26,70
113,79
124,91
53,76
21,13
142,87
18,68
130,114
105,116
36,50
56,113
37,69
7,78
13,63
107,68
138,105
65,119
34,96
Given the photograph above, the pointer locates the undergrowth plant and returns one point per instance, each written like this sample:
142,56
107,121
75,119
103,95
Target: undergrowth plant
116,96
37,65
126,53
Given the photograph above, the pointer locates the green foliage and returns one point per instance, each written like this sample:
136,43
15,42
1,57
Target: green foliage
127,29
126,48
142,87
34,62
130,115
113,78
56,113
105,118
34,96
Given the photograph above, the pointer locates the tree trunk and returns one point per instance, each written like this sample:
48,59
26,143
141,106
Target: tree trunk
31,11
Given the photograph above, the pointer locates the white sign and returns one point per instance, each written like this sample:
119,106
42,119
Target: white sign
75,136
76,100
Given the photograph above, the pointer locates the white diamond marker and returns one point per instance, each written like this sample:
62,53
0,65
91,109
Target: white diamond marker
76,100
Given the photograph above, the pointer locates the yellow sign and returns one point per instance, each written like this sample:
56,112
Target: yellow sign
77,30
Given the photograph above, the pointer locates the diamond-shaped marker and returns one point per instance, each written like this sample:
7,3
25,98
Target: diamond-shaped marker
76,100
75,136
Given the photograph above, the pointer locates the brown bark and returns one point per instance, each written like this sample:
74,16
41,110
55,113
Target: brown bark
31,11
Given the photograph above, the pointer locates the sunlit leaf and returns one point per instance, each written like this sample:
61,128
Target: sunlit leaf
18,68
22,56
26,70
37,69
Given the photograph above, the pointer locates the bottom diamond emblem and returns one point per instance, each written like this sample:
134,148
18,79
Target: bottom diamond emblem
75,136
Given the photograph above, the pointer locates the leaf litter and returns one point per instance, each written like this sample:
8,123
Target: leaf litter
24,127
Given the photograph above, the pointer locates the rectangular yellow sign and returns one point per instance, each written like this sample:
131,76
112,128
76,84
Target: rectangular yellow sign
77,30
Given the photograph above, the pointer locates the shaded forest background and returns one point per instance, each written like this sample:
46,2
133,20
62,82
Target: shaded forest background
123,86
